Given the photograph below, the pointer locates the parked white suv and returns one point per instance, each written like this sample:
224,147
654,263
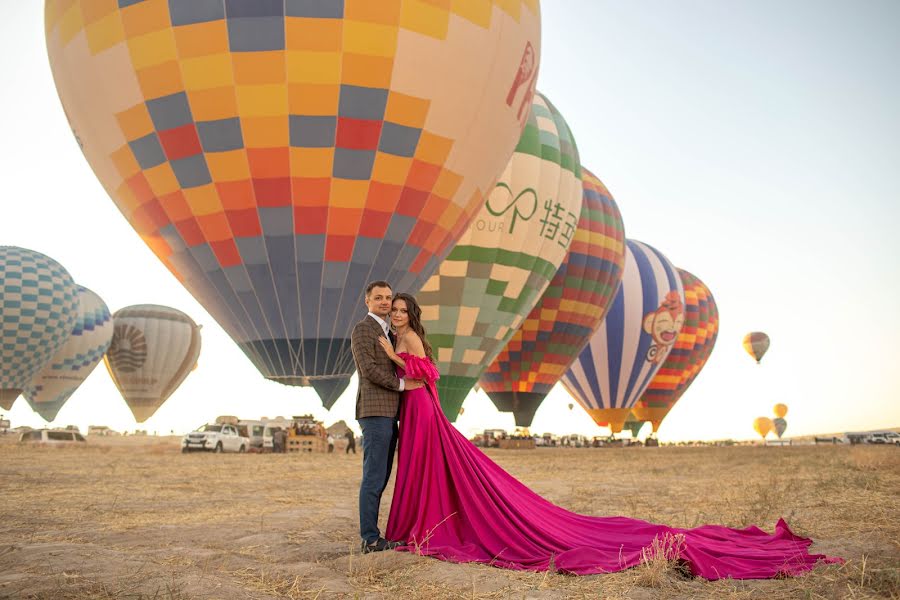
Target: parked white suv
215,437
885,437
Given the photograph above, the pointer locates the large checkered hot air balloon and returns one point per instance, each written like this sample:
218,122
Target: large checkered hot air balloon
277,155
633,341
38,307
571,309
489,283
75,360
154,348
688,356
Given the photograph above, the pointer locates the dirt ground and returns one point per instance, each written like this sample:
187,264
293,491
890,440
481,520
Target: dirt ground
134,518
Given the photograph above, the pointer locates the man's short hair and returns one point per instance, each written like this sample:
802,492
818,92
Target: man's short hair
376,284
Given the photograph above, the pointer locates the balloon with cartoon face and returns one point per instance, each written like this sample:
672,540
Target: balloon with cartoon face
627,350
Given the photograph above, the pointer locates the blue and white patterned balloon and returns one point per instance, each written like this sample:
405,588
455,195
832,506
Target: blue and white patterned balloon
72,363
38,306
633,341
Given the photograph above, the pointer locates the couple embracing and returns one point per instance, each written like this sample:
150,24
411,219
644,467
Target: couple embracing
454,503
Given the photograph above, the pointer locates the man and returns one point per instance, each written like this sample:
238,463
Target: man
377,407
351,442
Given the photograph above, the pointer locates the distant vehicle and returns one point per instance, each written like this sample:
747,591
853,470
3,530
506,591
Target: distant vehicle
100,430
215,437
885,437
51,437
4,426
491,437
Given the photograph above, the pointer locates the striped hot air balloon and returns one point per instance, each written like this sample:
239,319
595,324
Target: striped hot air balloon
634,340
689,355
75,360
153,350
277,155
492,279
38,306
569,312
756,343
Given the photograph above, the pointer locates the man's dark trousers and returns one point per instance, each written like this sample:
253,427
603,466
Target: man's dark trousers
379,443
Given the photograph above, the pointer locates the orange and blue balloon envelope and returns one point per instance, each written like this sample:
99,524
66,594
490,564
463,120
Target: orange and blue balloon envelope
38,306
498,270
568,313
277,155
689,355
633,341
154,348
756,344
91,335
763,425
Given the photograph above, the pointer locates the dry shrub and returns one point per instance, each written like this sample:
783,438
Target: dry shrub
661,562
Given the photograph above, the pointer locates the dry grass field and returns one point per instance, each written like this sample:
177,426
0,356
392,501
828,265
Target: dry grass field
133,518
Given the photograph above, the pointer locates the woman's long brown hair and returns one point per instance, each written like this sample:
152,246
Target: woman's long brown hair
414,312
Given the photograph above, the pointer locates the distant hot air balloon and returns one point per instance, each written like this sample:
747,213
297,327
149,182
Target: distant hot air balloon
278,155
462,409
570,311
489,283
763,425
75,360
780,425
153,349
38,306
689,355
634,340
571,406
633,425
780,410
756,344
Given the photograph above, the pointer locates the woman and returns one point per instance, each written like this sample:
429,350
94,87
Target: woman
454,503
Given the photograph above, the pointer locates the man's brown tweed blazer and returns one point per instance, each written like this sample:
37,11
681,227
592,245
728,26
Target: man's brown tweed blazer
379,386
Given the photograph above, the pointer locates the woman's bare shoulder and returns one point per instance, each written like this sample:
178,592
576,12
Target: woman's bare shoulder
414,344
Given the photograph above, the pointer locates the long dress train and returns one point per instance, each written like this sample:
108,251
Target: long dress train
454,503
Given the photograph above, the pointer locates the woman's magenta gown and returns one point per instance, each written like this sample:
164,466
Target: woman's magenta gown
454,503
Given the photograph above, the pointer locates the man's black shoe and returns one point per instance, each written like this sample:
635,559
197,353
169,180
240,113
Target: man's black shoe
378,545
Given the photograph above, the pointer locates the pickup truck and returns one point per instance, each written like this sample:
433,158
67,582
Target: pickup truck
215,437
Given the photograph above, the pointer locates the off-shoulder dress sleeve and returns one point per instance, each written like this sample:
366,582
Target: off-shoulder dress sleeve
419,368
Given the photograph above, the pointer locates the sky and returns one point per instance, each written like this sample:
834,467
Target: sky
753,142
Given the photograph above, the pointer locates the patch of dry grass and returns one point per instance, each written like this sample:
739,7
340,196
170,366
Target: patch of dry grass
137,519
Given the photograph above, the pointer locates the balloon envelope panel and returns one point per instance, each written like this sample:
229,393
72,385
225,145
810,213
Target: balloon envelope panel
634,339
75,360
278,155
569,312
496,273
689,355
39,305
153,350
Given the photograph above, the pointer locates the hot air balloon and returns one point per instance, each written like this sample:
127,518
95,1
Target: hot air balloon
38,305
756,343
277,156
780,425
75,360
153,349
763,425
571,406
489,283
462,409
571,309
633,425
689,355
633,341
780,410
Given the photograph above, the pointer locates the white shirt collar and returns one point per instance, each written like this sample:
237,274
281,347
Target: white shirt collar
382,322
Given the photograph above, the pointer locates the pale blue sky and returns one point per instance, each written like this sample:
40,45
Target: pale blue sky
755,143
